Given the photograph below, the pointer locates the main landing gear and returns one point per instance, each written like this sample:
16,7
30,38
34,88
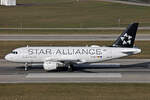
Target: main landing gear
70,67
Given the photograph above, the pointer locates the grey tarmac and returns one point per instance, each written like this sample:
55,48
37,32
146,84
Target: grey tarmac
68,37
119,70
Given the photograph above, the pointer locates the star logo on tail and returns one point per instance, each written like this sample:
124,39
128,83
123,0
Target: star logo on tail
126,39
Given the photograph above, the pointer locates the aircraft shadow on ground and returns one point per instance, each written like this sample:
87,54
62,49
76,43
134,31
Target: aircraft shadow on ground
83,68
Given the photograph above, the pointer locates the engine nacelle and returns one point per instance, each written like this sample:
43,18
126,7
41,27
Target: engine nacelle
49,65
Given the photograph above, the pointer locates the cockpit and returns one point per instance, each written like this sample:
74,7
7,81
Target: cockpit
14,52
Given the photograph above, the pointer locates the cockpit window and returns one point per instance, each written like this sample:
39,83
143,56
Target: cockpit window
14,52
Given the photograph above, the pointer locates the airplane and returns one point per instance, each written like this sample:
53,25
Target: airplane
54,57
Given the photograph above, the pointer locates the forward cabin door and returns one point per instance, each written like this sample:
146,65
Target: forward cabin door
28,58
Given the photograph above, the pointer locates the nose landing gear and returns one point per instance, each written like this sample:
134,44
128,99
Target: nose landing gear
26,67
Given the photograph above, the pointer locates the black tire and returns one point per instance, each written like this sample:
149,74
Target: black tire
70,68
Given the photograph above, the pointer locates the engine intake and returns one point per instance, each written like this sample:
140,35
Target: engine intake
49,65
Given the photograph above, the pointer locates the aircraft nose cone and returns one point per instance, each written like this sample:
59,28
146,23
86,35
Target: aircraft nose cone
139,50
7,57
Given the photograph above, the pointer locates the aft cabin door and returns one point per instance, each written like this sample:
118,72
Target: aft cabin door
107,54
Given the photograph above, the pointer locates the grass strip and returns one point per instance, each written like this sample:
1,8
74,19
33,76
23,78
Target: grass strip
71,13
70,91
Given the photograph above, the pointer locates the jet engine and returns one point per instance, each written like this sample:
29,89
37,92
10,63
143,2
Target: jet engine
49,65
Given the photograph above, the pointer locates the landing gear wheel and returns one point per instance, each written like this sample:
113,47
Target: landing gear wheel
26,67
58,69
70,68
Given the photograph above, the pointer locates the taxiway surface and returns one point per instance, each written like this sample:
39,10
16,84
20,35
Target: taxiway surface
120,70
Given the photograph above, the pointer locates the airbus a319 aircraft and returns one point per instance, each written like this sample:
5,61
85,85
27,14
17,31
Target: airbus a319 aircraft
53,57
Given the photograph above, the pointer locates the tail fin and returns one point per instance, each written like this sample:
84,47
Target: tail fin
127,38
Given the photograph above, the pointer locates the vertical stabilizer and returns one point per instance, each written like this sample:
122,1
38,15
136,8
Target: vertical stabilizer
127,38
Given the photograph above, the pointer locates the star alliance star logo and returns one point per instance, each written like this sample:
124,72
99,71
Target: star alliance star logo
126,39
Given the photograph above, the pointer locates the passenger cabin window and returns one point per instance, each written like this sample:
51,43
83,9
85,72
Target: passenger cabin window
15,52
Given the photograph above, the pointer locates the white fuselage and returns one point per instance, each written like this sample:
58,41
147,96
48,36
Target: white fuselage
77,54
